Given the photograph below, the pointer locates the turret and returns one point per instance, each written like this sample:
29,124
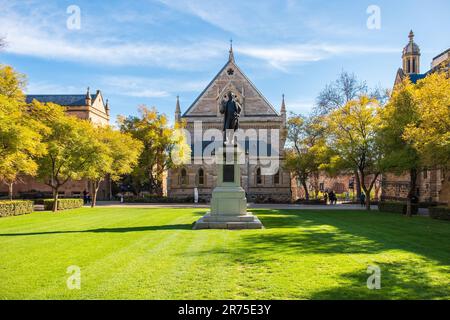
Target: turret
411,56
88,100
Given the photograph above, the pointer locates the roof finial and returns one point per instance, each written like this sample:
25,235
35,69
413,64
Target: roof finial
283,104
411,36
231,57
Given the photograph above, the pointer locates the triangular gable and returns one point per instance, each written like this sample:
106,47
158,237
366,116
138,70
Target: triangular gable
230,77
98,102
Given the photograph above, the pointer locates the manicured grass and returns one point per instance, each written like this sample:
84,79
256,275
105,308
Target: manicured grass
131,253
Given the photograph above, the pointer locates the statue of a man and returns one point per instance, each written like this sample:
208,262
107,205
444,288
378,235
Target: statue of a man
231,110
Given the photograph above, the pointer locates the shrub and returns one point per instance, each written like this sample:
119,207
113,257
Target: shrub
159,199
63,204
441,213
15,208
311,201
396,207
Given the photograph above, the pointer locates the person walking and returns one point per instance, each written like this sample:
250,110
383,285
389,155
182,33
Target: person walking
325,197
362,199
85,197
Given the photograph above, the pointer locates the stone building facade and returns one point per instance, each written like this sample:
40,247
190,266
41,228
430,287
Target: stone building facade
433,184
87,106
257,113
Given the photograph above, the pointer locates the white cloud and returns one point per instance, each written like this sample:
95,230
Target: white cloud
28,35
282,56
149,87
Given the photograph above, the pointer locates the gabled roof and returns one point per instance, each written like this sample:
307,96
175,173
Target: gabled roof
228,64
68,100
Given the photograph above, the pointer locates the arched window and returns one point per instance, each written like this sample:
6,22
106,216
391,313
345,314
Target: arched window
414,66
258,176
276,178
183,177
201,177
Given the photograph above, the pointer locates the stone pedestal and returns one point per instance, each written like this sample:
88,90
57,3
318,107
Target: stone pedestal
228,202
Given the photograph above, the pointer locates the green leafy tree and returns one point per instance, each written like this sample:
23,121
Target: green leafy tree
353,137
400,156
119,154
71,147
307,152
161,143
338,93
20,136
430,135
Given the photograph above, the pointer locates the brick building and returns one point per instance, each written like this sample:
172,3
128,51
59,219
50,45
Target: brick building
87,106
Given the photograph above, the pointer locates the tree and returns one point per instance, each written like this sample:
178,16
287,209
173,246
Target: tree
119,154
304,158
19,135
399,154
159,141
353,137
430,135
71,147
345,88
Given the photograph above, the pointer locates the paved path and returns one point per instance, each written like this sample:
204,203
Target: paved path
116,204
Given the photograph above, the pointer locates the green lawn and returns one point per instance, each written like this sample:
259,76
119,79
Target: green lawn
135,253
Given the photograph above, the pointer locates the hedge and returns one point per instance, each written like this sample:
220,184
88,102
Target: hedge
151,198
441,213
63,204
396,207
15,207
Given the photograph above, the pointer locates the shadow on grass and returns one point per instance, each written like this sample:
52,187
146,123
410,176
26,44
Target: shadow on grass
101,230
398,281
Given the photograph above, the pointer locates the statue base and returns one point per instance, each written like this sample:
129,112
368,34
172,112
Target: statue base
228,202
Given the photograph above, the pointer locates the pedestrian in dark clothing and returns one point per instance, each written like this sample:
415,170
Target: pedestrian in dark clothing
362,199
332,197
85,197
325,197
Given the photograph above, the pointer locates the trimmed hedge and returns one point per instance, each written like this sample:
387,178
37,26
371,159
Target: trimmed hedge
63,204
396,207
15,208
157,199
441,213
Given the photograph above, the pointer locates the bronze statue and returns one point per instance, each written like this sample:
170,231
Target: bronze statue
231,109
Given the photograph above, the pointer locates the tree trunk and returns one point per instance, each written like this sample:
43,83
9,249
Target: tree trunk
412,191
366,191
10,190
95,187
55,200
305,187
357,185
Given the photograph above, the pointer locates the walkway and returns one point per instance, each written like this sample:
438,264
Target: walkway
116,204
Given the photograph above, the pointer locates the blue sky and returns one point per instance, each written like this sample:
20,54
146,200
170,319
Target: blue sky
150,51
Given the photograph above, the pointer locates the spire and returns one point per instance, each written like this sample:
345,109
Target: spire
411,36
178,110
283,111
283,105
88,97
231,55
